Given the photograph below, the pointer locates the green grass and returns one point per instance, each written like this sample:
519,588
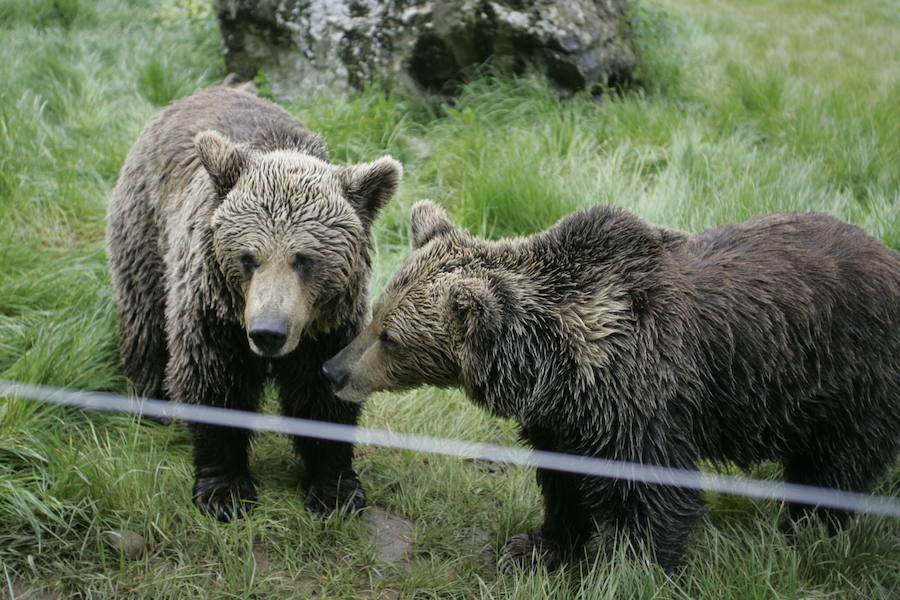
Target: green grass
747,107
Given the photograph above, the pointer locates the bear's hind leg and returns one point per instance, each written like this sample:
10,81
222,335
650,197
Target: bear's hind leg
848,463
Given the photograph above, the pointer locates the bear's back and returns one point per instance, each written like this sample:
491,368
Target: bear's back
798,321
166,145
792,258
241,116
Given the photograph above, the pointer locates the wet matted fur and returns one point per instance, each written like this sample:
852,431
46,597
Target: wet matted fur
239,252
777,338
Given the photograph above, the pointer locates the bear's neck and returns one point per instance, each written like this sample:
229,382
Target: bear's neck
555,358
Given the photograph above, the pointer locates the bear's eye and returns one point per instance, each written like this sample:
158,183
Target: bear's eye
248,262
387,339
302,262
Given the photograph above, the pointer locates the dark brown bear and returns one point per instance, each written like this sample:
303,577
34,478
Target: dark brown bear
238,252
777,338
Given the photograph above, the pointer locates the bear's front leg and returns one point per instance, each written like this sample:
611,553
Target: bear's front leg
209,365
331,483
567,526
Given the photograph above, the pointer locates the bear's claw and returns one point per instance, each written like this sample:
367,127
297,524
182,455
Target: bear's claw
225,497
343,495
529,551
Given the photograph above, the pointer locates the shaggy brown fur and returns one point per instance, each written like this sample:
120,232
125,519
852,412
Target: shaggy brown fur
777,338
238,251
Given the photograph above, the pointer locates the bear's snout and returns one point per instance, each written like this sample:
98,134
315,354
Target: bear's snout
336,375
269,334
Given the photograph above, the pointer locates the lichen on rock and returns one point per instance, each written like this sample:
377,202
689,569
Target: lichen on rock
311,45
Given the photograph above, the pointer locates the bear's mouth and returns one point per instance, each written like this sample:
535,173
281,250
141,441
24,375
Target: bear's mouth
351,394
343,385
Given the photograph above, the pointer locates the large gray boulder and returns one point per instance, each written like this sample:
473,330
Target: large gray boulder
307,45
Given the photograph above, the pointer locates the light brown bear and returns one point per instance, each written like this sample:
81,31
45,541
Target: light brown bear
238,252
777,338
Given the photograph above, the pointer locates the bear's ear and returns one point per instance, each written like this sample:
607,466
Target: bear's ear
223,160
427,221
474,306
369,186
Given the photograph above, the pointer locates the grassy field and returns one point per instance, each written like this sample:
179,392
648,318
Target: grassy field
749,106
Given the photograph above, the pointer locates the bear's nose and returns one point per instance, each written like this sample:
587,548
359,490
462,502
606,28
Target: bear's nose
337,376
268,334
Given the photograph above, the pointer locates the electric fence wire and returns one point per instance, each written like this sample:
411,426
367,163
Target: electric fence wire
584,465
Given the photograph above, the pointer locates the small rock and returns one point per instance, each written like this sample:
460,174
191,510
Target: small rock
478,538
379,595
492,468
391,533
261,557
131,545
16,590
307,587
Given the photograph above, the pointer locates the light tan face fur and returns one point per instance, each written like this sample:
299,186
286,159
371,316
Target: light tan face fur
451,314
276,292
410,340
291,234
369,367
407,344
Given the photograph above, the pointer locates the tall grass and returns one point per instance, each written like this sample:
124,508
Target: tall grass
746,107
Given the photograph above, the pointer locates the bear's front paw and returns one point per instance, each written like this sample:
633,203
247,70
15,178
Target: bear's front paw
225,497
343,495
528,551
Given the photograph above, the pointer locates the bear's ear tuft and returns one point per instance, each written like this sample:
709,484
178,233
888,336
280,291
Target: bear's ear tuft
369,186
427,221
475,307
222,159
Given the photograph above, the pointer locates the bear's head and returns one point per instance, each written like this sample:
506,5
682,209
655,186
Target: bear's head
448,298
290,234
